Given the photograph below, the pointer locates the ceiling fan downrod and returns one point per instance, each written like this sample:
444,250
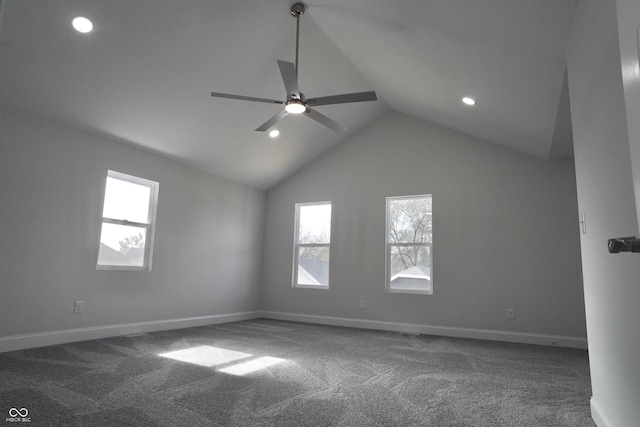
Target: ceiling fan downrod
297,10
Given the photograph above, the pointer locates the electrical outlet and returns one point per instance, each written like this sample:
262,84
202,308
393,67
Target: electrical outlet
363,303
510,314
78,308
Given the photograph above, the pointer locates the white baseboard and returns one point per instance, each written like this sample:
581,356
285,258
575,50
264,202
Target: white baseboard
598,416
483,334
41,339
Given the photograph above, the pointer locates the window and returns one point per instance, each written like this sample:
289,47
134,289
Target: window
409,245
128,217
311,245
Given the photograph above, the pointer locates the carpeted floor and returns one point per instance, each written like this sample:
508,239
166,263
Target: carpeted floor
273,373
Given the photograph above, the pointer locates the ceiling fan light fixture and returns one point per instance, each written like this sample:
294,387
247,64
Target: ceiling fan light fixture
295,106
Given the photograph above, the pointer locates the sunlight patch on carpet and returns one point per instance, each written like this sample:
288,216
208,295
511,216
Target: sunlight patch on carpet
206,355
209,357
250,366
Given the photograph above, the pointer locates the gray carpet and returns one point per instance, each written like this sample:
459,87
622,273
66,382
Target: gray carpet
273,373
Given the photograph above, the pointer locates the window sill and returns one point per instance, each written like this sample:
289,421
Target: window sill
319,287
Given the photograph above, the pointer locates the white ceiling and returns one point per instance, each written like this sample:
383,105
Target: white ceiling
144,75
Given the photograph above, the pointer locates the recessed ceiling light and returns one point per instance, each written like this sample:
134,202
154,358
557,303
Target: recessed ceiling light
82,24
469,101
274,133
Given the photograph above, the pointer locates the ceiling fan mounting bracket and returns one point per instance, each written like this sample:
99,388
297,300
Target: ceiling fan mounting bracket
297,9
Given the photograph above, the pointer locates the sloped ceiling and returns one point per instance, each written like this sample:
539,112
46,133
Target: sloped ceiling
144,75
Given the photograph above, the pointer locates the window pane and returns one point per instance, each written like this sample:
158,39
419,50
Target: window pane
126,200
409,244
315,224
410,268
122,245
404,258
410,220
313,266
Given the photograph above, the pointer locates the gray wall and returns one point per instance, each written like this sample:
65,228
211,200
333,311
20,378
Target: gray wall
208,241
505,232
606,198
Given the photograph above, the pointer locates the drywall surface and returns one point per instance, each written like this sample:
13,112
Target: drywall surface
505,232
606,198
208,241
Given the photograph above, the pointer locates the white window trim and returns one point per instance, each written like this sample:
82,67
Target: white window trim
149,227
297,246
389,245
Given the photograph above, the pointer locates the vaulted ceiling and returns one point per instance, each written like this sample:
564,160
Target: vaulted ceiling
144,74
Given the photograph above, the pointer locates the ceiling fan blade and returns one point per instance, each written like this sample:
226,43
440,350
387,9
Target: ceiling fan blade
272,121
322,119
343,99
244,98
289,77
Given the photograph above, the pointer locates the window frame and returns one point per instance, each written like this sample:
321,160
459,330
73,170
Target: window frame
149,226
297,245
389,245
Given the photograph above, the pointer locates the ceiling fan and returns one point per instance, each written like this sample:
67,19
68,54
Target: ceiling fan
296,103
